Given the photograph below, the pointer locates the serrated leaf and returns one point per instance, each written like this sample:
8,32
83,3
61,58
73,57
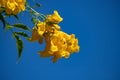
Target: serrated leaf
22,34
19,44
21,26
2,19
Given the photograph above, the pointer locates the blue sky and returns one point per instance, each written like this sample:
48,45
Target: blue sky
96,24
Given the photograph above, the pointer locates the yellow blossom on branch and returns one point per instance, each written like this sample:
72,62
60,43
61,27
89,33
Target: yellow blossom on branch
58,43
54,18
13,6
46,27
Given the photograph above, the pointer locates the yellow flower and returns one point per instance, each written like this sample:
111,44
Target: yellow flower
20,1
54,18
46,52
73,44
2,3
40,28
16,11
13,6
58,43
65,54
56,55
53,47
35,36
65,43
57,27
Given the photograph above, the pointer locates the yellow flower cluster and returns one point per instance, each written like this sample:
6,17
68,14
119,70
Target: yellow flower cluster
13,6
58,43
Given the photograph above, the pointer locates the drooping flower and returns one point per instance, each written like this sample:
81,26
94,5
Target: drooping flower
58,43
37,32
65,44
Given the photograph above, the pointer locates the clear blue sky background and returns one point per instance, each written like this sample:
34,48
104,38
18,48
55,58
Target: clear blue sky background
96,24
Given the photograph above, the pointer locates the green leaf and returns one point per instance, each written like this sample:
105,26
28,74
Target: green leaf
7,26
2,19
21,26
19,44
22,34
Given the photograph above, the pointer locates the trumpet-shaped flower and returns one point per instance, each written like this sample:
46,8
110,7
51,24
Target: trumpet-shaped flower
58,43
54,18
40,28
36,36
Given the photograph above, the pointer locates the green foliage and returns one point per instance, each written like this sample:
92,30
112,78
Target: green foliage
16,35
22,34
19,44
8,26
21,26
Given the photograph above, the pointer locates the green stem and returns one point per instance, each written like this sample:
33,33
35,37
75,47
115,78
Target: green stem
35,13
